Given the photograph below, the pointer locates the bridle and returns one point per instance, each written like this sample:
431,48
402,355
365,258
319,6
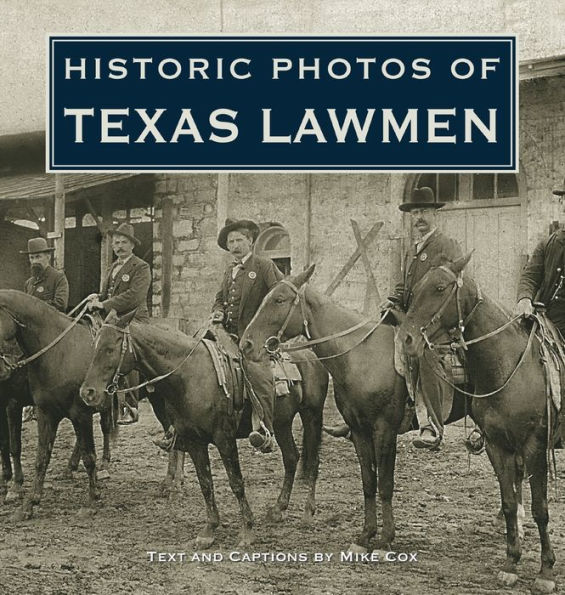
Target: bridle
273,343
457,284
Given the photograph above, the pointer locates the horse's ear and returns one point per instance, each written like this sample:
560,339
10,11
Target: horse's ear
126,319
112,317
303,277
461,263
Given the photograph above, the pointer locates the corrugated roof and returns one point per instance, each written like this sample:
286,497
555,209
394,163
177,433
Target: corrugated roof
37,186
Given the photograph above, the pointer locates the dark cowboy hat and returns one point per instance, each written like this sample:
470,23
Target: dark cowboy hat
233,225
560,191
126,230
36,246
422,198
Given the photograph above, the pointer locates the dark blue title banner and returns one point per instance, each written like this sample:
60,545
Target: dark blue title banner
282,103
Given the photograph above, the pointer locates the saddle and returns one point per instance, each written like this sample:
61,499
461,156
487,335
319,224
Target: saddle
226,358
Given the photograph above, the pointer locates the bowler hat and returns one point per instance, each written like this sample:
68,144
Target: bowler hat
233,225
126,230
36,246
560,191
422,198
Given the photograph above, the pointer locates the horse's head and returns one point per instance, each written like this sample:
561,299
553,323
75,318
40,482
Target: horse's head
438,301
112,358
280,317
9,349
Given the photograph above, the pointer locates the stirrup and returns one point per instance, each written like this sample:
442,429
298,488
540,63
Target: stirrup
167,440
475,442
432,444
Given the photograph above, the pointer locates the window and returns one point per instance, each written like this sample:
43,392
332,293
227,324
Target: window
468,188
274,243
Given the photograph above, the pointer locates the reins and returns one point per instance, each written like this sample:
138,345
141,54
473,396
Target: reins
273,344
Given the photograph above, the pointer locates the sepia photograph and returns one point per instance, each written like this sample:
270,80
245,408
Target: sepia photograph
250,381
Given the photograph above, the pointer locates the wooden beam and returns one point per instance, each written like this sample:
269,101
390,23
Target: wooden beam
353,258
59,221
106,245
308,222
372,288
95,216
222,199
167,255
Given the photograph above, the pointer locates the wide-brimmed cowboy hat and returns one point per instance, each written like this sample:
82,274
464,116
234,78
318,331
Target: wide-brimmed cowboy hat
561,190
422,198
36,246
126,230
234,225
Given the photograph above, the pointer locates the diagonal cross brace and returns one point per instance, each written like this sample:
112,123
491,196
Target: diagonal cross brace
366,241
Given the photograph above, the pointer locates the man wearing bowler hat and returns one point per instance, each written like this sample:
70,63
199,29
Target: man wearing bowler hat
45,283
433,397
125,289
543,277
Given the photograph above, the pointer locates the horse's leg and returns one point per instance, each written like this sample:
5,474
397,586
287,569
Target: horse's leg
83,429
521,513
536,463
109,431
230,457
311,439
285,439
366,456
178,475
199,454
15,426
47,424
166,485
384,439
504,465
5,453
74,460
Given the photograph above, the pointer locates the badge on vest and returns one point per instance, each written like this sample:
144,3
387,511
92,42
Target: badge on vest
40,289
125,278
252,275
423,256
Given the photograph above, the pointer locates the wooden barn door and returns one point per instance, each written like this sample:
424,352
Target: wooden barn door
484,213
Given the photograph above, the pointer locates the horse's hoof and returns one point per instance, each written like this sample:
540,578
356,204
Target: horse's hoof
22,514
307,518
246,540
203,543
274,515
103,474
507,579
355,548
87,512
543,585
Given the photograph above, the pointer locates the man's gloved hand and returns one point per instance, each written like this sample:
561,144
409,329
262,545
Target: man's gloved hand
386,305
94,304
524,308
217,316
92,296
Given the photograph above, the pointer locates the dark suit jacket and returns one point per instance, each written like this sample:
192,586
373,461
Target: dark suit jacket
260,274
417,264
130,288
52,287
540,276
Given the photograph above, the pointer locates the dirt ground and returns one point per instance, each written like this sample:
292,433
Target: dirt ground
444,510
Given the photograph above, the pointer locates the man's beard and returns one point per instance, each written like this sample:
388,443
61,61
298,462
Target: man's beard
36,269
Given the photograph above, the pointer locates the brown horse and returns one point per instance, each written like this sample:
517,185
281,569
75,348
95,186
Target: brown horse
202,413
53,380
369,394
514,418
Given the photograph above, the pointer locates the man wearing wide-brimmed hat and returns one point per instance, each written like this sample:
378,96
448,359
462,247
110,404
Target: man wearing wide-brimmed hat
543,277
125,289
433,398
46,283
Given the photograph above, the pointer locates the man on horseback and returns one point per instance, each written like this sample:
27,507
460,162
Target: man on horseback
432,396
247,280
125,289
46,283
542,280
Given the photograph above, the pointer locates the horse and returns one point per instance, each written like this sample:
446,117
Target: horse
53,380
203,414
510,403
